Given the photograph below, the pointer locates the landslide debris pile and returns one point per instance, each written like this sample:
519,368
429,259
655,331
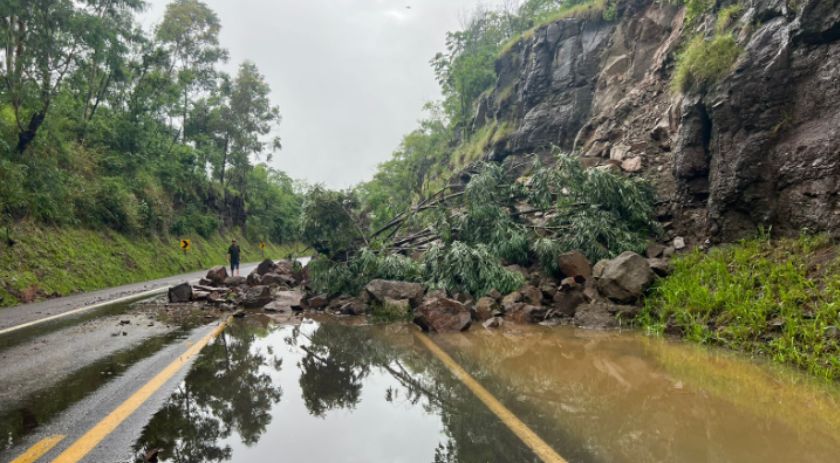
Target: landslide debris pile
507,241
271,286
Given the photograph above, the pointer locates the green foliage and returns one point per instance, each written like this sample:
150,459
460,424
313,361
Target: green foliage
475,231
422,155
696,8
329,222
726,17
471,269
52,261
87,138
598,212
775,298
703,62
334,278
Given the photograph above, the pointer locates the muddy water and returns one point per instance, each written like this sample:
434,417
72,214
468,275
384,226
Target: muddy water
331,392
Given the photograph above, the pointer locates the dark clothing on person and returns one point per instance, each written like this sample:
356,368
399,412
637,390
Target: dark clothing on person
233,250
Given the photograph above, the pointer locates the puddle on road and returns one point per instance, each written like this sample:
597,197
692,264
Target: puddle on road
332,392
323,392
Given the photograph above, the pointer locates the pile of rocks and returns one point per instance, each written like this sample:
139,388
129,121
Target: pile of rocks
267,284
605,295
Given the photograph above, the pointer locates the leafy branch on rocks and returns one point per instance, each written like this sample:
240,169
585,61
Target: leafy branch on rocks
461,238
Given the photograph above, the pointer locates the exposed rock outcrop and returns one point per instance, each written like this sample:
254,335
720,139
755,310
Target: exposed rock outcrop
759,147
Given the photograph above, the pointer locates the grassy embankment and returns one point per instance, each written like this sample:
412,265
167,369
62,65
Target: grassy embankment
779,299
49,261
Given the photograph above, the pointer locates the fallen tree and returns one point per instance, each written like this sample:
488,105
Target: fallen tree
462,237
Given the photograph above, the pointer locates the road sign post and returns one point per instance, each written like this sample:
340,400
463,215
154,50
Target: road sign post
185,245
262,248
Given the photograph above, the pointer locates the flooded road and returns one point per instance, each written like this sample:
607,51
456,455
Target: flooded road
324,391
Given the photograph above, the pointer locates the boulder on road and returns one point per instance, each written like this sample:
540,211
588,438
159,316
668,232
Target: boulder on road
603,315
254,279
217,275
284,267
442,314
353,307
531,294
485,307
318,301
527,313
267,265
257,296
572,264
661,267
495,322
566,302
231,282
625,278
381,290
276,279
180,293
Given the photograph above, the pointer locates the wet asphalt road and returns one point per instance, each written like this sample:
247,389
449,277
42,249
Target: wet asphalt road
24,313
64,375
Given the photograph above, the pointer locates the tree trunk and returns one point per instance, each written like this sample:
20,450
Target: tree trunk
26,136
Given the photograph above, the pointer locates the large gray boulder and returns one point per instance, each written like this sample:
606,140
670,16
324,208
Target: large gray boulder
380,290
442,314
217,275
180,293
257,296
625,278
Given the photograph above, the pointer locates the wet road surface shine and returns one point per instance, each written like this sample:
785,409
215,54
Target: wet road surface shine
38,450
95,435
529,437
330,392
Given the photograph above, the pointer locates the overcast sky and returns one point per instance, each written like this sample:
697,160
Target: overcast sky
350,76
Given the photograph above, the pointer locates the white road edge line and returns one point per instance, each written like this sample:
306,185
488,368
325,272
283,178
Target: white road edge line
130,297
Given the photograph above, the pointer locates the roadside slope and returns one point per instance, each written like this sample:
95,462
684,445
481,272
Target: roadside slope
50,262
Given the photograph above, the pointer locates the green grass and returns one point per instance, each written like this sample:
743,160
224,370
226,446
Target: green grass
48,261
771,298
593,9
703,62
727,16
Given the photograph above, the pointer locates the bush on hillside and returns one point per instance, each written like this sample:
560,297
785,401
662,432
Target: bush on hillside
704,61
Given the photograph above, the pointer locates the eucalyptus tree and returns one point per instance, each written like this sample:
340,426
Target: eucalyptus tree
190,35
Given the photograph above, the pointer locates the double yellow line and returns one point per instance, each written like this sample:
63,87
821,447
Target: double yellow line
83,445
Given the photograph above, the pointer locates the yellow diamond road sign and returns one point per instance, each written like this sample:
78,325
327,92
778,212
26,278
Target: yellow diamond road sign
262,244
185,245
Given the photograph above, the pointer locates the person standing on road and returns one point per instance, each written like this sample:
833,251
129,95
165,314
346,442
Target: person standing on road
233,252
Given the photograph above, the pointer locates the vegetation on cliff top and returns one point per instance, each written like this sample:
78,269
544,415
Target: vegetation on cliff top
774,298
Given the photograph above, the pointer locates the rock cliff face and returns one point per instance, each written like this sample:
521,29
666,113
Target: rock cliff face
760,147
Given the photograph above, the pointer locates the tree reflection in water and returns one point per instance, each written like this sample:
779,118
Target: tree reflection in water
338,358
226,389
229,389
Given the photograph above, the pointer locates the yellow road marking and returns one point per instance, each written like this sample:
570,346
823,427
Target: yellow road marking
131,297
96,434
36,451
529,437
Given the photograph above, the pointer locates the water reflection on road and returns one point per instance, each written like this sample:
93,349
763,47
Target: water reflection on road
332,392
324,392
